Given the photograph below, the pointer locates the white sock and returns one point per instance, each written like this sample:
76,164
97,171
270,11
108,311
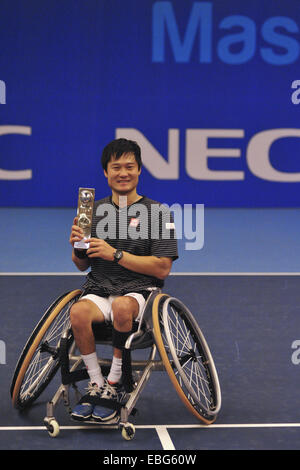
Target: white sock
93,368
115,373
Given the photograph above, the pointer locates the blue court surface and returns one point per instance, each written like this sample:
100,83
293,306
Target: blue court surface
243,289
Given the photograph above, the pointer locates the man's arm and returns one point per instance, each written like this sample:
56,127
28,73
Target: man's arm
76,235
150,265
81,263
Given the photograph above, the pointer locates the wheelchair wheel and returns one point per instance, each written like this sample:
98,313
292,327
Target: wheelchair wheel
186,357
39,360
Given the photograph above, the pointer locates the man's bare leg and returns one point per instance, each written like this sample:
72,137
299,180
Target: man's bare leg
83,313
125,310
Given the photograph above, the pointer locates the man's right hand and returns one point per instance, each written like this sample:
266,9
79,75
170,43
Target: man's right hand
76,233
75,236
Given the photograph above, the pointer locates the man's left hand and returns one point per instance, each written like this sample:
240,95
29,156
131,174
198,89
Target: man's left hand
100,249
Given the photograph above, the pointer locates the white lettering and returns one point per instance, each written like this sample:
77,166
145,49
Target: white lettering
197,153
152,160
114,460
296,354
295,95
15,174
106,227
258,155
189,233
2,352
138,230
2,92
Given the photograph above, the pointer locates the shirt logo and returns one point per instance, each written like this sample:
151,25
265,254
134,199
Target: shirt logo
134,222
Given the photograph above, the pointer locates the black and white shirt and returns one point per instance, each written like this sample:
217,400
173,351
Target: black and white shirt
145,228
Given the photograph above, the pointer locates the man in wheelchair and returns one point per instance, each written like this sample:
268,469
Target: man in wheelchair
131,250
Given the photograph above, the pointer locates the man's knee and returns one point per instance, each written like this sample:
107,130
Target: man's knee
124,309
80,314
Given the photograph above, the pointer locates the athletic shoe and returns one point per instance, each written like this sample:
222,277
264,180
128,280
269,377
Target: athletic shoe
108,392
84,409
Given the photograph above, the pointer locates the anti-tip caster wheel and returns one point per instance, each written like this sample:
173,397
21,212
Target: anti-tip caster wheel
128,431
52,428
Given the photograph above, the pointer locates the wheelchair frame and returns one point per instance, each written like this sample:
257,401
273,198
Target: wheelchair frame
200,393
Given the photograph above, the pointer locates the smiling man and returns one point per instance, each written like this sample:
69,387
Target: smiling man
123,271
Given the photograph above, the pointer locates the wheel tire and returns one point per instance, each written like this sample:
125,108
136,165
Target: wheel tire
128,431
28,383
203,403
53,428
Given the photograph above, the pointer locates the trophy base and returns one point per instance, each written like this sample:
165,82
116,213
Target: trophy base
82,245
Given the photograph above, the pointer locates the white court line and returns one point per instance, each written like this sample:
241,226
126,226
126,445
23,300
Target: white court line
244,273
171,274
42,274
161,430
156,426
164,437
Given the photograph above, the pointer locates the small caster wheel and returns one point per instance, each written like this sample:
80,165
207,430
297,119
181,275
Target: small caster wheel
128,431
53,428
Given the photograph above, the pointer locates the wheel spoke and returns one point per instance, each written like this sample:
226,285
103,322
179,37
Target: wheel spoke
188,359
43,361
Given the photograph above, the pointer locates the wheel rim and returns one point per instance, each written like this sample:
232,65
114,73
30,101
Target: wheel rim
42,359
45,357
189,361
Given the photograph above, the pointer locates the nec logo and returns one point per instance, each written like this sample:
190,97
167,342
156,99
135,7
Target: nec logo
257,158
2,92
237,47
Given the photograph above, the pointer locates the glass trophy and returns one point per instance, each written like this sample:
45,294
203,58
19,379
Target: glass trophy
86,198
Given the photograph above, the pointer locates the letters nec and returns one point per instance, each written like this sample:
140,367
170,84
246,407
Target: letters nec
198,153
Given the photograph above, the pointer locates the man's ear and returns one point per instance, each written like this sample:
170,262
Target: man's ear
105,173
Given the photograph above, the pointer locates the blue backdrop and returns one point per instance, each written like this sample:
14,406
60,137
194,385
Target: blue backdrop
210,89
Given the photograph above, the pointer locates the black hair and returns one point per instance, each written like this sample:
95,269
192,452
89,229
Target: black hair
117,148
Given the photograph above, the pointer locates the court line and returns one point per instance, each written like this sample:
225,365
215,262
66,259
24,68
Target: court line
159,426
164,438
162,430
171,274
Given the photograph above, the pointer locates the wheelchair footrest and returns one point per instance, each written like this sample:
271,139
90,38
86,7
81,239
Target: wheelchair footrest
115,420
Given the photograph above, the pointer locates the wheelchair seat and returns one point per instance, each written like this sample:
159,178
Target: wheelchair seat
141,337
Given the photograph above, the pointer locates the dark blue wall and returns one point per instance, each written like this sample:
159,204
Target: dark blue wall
179,76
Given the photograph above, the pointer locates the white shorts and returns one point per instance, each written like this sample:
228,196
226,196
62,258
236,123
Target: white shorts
104,304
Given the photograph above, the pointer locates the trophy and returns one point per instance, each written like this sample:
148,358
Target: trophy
86,197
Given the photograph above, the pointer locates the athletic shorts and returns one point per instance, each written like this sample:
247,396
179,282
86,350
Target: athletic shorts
104,303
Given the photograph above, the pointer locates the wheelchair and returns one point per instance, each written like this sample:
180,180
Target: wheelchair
167,328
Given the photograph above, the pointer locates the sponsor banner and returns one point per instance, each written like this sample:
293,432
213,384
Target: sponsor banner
209,89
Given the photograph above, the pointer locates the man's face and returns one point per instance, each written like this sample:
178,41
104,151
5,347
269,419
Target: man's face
123,174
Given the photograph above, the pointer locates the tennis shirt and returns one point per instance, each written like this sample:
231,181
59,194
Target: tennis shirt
145,228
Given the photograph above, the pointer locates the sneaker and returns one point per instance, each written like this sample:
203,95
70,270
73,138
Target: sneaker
84,409
108,392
